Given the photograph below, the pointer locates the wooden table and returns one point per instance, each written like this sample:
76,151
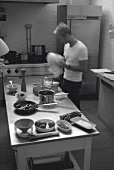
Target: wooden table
78,139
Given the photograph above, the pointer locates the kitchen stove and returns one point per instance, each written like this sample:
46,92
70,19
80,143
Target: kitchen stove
14,71
31,69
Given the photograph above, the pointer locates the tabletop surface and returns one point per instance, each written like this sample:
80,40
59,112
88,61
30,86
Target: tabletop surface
63,107
101,73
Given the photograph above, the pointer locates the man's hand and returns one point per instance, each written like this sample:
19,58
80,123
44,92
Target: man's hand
62,64
81,68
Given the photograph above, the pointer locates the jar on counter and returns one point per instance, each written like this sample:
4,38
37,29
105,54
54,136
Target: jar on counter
37,87
48,81
24,56
55,86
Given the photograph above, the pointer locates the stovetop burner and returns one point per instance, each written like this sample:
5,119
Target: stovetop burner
31,70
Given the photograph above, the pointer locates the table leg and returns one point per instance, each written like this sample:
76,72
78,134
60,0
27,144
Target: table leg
87,153
76,166
21,158
22,161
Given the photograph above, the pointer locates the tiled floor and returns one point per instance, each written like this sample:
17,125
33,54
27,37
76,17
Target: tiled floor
102,157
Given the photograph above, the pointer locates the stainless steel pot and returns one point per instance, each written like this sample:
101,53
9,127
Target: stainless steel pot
38,49
46,96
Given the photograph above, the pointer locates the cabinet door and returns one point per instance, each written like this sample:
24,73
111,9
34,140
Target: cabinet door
84,10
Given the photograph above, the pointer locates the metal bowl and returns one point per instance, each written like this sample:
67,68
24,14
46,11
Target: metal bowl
24,124
21,95
37,87
12,87
45,125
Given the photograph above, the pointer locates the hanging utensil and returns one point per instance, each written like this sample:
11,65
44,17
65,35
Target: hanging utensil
28,37
11,83
26,26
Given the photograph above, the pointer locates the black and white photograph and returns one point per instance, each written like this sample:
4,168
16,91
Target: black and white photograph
56,85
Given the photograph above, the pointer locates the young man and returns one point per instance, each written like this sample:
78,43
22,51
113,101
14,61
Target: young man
75,63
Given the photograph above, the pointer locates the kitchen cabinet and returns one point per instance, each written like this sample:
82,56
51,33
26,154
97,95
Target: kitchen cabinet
3,24
33,1
106,100
83,10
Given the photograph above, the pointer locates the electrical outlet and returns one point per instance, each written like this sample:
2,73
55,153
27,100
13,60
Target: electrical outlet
28,25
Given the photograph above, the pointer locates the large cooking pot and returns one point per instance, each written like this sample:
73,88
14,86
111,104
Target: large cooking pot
46,96
38,49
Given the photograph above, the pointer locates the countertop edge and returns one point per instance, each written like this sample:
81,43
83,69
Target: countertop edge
100,75
26,65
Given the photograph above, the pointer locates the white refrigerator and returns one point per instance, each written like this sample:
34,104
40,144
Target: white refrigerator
84,21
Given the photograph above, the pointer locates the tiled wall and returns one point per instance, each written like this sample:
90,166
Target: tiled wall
106,45
43,19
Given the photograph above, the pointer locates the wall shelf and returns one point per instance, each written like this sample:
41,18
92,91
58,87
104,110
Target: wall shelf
30,1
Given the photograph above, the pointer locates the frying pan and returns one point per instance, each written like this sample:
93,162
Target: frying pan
28,107
25,107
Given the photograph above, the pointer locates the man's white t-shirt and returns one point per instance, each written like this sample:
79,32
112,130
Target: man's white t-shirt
73,55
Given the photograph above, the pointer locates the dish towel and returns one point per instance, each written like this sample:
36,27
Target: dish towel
53,60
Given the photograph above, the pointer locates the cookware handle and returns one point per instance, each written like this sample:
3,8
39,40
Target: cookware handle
36,105
39,104
42,135
44,104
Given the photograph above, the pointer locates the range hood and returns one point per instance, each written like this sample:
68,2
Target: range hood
32,1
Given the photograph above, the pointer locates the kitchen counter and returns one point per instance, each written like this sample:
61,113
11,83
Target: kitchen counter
106,80
106,100
14,70
77,139
26,65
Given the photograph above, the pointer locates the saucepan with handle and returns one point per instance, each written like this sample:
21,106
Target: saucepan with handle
46,96
39,50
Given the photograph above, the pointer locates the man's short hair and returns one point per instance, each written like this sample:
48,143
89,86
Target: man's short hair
62,28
